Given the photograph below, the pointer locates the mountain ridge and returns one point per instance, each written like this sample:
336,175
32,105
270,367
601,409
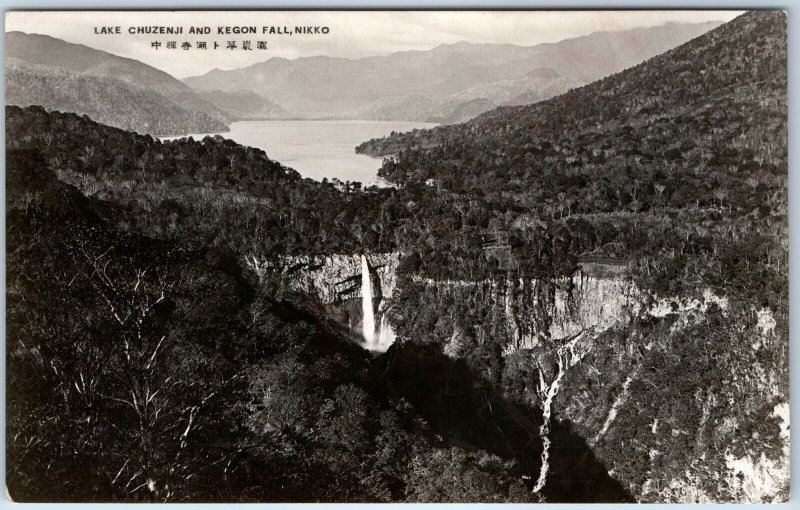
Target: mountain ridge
126,93
336,87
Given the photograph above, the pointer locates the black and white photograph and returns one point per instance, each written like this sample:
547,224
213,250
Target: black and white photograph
396,256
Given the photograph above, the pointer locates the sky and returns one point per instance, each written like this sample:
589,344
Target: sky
350,34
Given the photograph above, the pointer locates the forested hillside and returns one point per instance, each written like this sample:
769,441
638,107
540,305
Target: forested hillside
106,99
117,91
144,369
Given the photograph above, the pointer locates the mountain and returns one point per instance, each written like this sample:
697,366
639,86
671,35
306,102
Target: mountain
467,110
539,84
412,107
118,91
676,172
336,87
103,98
244,105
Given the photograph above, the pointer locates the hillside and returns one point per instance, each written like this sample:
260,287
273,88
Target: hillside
345,88
678,121
244,105
678,167
122,92
538,85
467,110
106,99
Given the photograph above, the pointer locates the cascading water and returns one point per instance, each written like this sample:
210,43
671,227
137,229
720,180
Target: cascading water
386,335
366,304
375,339
566,357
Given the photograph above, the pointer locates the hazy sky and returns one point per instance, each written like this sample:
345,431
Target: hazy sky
351,34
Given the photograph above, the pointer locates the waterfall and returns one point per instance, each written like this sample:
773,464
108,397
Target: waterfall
366,304
566,357
386,335
547,393
510,317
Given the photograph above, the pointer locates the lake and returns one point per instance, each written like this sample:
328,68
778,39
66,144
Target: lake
319,148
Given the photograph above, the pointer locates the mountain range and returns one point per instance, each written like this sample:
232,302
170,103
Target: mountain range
434,85
448,84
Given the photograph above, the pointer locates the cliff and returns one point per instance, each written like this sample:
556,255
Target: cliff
673,394
354,299
331,278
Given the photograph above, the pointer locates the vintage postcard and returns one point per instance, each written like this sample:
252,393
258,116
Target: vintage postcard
397,256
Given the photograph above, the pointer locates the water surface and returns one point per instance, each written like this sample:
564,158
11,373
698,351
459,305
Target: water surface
319,148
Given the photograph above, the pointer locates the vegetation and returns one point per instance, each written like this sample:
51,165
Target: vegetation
243,105
121,92
107,100
175,379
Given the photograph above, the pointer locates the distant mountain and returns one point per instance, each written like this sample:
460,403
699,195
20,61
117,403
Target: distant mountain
467,110
244,105
118,91
540,84
413,107
448,75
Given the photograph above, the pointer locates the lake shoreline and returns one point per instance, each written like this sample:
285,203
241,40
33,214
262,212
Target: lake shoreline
317,149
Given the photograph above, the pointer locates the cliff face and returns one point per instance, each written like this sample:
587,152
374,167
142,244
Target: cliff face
672,394
331,278
338,283
538,310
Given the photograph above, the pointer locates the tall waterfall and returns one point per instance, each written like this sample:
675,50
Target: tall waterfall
366,304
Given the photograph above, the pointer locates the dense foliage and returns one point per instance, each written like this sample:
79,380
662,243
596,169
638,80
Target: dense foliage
142,370
107,100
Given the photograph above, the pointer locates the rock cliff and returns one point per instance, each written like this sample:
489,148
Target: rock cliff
660,388
673,394
331,278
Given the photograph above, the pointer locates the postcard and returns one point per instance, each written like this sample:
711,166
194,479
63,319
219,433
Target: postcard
397,256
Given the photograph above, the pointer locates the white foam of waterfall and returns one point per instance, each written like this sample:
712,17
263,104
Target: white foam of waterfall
566,357
368,321
386,335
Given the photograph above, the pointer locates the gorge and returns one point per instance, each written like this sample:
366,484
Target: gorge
560,330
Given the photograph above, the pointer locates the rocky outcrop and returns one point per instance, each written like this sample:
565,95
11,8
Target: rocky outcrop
661,388
331,278
537,310
356,301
